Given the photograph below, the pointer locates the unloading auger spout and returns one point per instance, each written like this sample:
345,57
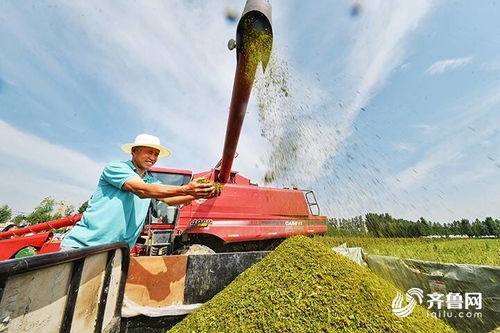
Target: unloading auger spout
254,41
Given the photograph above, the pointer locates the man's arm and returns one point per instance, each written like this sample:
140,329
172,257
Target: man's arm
178,200
143,190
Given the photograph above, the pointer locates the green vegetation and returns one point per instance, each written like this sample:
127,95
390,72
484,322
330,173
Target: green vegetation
303,286
458,251
83,207
384,225
26,252
48,209
5,214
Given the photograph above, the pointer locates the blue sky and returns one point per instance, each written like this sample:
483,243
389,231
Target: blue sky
394,110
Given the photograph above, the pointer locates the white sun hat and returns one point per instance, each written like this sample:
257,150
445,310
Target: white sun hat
146,140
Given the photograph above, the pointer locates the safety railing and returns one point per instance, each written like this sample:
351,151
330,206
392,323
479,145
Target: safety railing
312,202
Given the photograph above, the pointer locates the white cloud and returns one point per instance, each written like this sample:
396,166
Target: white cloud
492,65
403,147
419,172
22,191
40,153
425,129
380,45
35,168
443,65
405,67
455,141
485,143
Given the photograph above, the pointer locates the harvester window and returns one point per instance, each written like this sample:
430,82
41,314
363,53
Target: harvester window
162,213
175,179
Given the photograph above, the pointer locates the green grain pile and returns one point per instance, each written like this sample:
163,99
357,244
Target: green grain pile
303,286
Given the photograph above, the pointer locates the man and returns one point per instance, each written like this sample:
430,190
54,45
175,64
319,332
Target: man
119,205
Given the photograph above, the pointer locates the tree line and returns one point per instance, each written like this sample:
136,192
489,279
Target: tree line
384,225
48,209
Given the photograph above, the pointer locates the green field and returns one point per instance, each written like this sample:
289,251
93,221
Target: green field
458,251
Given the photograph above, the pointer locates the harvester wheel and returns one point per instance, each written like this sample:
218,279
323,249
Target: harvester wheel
195,249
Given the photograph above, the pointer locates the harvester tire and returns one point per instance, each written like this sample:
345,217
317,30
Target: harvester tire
195,249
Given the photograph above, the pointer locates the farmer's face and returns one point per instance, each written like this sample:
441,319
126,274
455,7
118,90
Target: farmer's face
144,157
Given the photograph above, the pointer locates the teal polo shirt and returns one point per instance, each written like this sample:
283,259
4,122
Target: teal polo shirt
113,215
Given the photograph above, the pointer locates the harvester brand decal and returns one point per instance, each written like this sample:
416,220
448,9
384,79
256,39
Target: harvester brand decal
201,222
293,223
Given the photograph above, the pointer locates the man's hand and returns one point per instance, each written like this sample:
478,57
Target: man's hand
200,188
217,190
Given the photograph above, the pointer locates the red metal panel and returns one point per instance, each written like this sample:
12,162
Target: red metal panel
252,202
50,247
159,226
9,247
257,230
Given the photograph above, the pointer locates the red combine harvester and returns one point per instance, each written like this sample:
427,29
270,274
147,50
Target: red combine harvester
245,216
